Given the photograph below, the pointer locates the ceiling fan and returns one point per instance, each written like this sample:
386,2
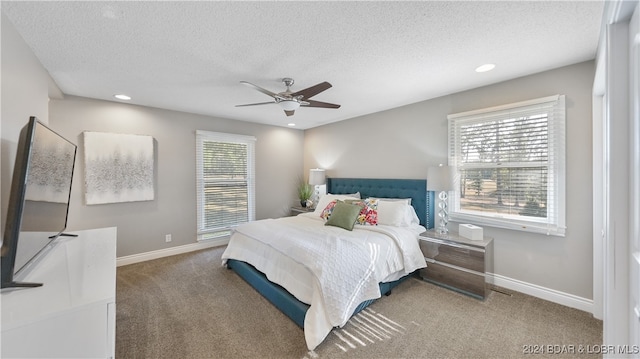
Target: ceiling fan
291,101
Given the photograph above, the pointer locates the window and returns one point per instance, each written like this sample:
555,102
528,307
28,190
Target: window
510,163
225,182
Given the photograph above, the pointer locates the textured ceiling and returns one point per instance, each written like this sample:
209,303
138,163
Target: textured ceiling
191,56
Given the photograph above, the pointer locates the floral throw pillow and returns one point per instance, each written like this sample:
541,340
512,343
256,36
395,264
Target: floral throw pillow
368,212
326,212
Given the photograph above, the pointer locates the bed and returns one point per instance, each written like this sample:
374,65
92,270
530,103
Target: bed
305,283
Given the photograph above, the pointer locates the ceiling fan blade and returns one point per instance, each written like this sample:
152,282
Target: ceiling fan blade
313,103
289,113
264,91
313,90
257,104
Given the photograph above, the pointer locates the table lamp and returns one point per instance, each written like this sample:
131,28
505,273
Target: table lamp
316,178
441,178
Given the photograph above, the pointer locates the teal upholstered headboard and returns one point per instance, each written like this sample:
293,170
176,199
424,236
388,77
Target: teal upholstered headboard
421,200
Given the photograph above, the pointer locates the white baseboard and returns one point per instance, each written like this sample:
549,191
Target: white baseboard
142,257
552,295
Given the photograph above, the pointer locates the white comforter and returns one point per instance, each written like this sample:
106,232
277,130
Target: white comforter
329,268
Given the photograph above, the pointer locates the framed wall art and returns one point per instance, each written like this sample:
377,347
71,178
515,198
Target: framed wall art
118,167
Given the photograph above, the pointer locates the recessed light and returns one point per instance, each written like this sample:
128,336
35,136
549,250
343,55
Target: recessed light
122,97
291,124
109,12
485,68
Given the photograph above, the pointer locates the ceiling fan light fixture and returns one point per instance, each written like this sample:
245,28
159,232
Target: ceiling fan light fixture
291,101
289,105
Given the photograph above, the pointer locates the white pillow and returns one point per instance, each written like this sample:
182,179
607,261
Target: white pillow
412,216
324,200
405,200
396,213
350,195
392,213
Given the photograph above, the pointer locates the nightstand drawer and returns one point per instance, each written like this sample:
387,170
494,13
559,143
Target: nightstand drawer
455,254
457,279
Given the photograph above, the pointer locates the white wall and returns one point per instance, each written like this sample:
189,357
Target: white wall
25,87
142,225
403,142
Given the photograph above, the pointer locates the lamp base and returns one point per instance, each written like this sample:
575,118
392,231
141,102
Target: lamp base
443,214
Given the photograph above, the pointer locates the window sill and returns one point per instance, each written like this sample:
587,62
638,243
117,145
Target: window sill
222,235
507,223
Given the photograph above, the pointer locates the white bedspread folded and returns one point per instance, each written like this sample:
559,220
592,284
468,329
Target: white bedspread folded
346,265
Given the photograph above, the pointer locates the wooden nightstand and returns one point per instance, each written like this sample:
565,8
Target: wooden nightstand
296,210
457,263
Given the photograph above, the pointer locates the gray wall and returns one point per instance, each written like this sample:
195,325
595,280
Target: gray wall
25,87
142,225
403,142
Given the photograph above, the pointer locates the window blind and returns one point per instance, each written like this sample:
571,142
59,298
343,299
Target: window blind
511,165
225,185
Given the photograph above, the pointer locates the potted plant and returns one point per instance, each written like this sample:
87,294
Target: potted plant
305,191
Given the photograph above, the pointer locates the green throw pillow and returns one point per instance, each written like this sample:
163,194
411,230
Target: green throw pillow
344,215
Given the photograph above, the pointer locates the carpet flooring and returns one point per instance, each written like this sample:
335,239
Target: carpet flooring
189,306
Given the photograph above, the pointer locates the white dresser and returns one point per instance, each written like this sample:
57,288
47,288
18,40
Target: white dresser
73,314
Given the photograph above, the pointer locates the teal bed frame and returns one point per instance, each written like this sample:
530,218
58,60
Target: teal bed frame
421,200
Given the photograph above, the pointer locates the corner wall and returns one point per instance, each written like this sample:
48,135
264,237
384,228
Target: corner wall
403,142
25,87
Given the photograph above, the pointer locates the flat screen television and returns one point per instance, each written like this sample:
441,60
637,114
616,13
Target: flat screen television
39,199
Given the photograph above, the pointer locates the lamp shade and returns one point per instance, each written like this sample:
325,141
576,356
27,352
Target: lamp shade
440,178
289,105
316,176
